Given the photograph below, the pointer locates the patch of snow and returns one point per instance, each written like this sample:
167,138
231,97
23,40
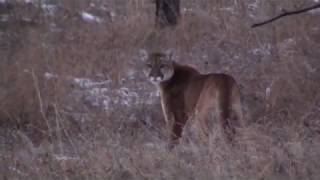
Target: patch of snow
131,73
49,9
127,97
100,83
90,18
34,2
28,1
99,94
50,75
87,83
124,91
185,10
253,6
99,97
26,71
205,57
64,158
265,49
268,92
98,91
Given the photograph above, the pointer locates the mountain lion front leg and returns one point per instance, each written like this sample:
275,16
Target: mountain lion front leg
176,127
169,119
175,120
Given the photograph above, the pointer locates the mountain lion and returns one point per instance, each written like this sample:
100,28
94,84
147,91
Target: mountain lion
186,93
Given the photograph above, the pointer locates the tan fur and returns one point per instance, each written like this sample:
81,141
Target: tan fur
186,93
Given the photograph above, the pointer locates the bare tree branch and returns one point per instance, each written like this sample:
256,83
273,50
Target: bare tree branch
286,13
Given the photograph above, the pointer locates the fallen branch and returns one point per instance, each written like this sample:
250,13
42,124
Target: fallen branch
286,13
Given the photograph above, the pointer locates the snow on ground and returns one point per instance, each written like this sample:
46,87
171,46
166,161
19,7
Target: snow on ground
90,18
29,1
106,97
100,94
263,50
253,6
49,9
88,83
64,158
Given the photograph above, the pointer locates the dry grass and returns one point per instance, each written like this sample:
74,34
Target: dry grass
51,129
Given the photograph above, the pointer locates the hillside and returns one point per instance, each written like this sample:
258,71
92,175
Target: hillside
74,103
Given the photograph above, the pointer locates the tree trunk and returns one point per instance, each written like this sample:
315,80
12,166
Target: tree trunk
167,12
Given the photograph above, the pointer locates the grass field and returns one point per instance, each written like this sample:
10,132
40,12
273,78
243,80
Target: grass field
74,103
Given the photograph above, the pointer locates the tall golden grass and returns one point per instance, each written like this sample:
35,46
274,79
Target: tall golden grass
49,131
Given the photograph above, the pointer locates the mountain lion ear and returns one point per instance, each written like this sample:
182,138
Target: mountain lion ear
143,54
169,53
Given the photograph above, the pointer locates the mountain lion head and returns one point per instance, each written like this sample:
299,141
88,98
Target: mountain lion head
158,68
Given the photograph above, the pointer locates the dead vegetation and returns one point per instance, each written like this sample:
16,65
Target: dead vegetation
74,104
